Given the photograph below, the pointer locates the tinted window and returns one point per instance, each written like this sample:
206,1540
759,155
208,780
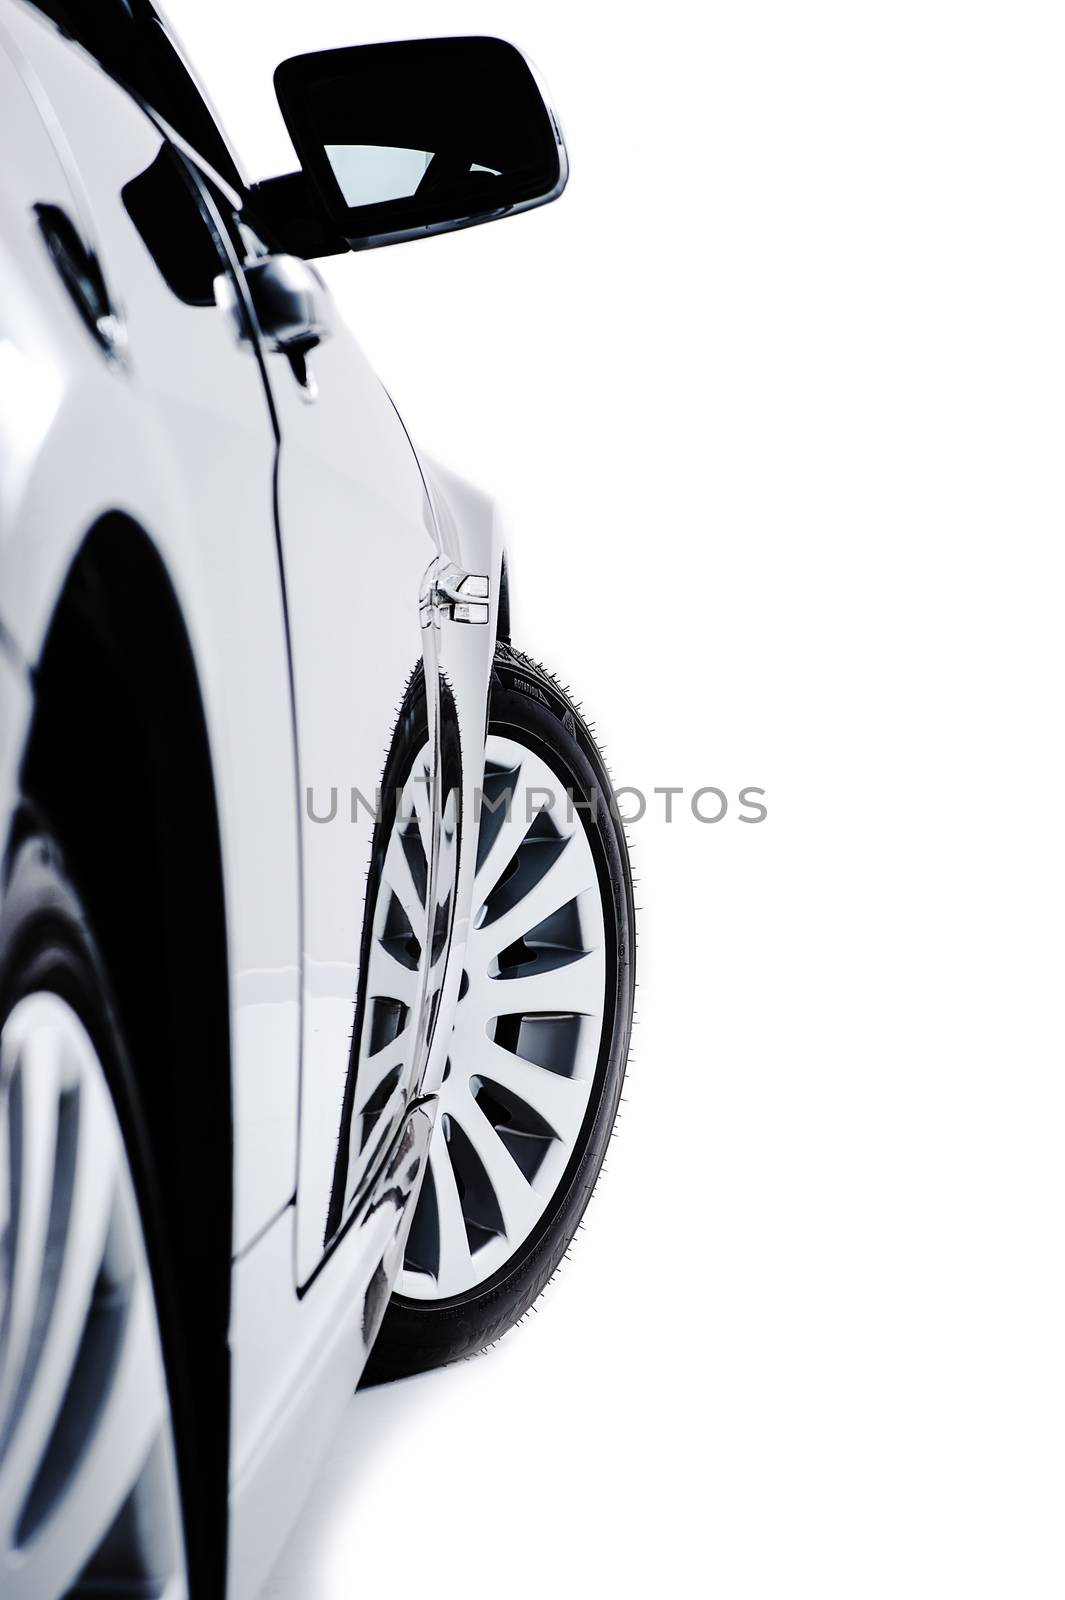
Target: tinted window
179,234
128,40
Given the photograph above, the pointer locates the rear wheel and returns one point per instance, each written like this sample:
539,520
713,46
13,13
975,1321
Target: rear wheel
541,1036
89,1498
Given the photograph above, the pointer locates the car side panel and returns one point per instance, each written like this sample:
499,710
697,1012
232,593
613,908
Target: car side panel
177,454
358,537
360,527
298,1367
180,439
468,528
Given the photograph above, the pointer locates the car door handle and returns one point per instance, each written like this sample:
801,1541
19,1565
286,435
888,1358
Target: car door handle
81,275
292,311
290,301
449,593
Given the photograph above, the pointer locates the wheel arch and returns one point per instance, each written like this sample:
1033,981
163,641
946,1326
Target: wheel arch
118,764
503,613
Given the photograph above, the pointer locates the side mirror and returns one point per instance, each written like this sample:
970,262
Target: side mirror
403,140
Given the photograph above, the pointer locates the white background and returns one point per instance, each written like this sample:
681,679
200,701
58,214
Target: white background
774,399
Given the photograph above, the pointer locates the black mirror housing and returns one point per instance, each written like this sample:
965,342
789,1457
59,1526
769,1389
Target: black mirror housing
399,141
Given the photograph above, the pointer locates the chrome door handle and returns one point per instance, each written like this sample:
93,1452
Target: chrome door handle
454,595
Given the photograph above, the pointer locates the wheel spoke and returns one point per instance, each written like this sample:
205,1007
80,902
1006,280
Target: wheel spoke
560,1101
515,825
575,987
418,798
446,880
132,1411
398,877
79,1218
454,1254
564,880
373,1070
33,1103
513,1192
389,978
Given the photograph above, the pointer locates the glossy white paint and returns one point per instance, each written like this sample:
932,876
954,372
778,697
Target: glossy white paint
470,535
300,1359
182,442
181,435
357,538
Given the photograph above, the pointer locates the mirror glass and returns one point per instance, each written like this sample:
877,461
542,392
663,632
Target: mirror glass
420,136
370,173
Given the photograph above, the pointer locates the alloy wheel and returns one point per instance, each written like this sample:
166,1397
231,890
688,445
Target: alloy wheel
89,1499
523,1055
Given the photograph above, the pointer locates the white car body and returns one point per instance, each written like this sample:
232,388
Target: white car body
173,430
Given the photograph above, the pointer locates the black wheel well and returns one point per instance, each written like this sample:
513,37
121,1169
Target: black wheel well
503,613
118,764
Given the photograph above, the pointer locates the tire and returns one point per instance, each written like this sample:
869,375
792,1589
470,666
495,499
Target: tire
568,1057
89,1488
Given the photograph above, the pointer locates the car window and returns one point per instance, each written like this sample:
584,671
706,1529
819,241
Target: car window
167,207
129,41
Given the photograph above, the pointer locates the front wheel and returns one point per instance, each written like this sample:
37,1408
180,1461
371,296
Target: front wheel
541,1036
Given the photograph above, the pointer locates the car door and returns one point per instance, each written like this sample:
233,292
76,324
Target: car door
360,555
359,551
358,541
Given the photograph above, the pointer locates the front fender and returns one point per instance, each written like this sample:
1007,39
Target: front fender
470,540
